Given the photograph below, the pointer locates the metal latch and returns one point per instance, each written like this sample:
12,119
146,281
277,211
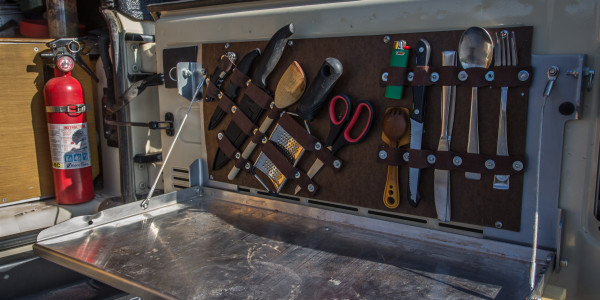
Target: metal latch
69,108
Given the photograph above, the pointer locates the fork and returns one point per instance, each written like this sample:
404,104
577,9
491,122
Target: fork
505,54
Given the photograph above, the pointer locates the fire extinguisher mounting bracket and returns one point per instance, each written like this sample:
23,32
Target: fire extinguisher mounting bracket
71,108
190,77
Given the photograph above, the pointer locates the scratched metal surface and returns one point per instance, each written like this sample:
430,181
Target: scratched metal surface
217,250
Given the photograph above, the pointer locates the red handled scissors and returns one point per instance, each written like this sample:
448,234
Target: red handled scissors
339,133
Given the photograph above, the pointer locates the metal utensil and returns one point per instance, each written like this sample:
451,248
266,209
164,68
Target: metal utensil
394,126
441,178
475,50
505,54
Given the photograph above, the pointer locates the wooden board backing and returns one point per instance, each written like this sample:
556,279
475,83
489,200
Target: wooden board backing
25,166
361,182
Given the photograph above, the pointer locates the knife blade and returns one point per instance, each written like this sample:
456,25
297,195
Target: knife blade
218,76
441,178
265,65
422,53
232,88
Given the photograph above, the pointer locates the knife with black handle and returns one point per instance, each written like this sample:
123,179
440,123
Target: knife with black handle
319,88
423,50
266,63
231,89
218,76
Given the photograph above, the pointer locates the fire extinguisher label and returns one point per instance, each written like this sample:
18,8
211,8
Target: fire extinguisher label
69,146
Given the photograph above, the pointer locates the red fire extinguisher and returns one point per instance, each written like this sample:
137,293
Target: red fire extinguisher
68,131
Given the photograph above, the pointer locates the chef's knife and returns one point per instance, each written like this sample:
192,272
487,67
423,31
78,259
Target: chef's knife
312,100
267,62
441,178
232,88
422,53
218,75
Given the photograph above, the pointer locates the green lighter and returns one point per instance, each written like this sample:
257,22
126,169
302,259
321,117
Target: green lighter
399,59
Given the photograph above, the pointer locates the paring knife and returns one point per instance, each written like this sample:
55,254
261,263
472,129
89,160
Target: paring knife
231,89
441,178
267,62
218,75
423,50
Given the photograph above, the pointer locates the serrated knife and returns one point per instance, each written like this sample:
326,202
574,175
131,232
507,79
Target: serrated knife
422,53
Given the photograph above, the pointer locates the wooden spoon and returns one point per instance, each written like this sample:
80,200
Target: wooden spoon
395,123
289,89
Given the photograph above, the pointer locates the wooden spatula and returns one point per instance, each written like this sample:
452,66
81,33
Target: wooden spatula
289,89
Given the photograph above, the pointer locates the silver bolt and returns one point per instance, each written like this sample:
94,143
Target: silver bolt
411,76
523,75
406,156
431,159
247,166
264,140
517,166
135,68
489,76
457,161
382,154
311,188
498,224
227,46
36,49
386,39
318,146
564,262
185,73
233,109
297,174
220,136
490,164
462,76
290,43
434,77
384,76
211,177
337,163
238,155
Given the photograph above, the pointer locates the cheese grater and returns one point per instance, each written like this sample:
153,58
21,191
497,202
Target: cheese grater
289,147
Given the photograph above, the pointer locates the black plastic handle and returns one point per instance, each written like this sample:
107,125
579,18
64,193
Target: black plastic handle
422,52
271,55
244,67
319,88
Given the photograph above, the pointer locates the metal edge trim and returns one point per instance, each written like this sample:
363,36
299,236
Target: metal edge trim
98,274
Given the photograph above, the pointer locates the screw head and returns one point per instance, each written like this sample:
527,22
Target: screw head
384,76
411,76
247,166
297,174
421,49
318,146
431,159
311,188
272,105
457,161
489,76
386,39
264,140
383,154
337,163
227,46
417,111
211,177
290,43
248,82
142,185
220,136
36,49
434,77
523,75
406,156
498,224
233,109
134,47
462,75
517,165
238,155
255,131
135,68
219,95
490,164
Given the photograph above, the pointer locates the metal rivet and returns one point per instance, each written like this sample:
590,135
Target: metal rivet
417,111
254,131
311,188
264,140
490,164
337,163
498,224
233,109
434,77
135,68
318,146
272,105
517,165
247,166
406,156
462,76
36,49
489,76
382,154
523,75
211,177
384,76
248,82
290,43
297,174
411,76
238,155
185,73
227,46
457,161
386,39
220,136
431,159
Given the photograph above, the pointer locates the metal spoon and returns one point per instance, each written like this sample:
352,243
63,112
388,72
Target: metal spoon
475,50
